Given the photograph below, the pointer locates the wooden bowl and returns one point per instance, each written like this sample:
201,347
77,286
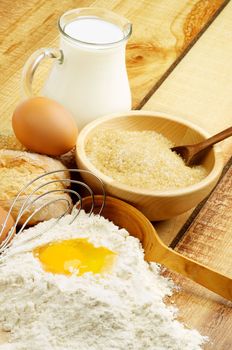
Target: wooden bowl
156,205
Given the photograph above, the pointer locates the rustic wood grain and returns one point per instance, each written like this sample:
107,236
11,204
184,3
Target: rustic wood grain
160,35
198,89
209,241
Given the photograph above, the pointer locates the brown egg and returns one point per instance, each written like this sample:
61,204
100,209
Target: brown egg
9,224
44,126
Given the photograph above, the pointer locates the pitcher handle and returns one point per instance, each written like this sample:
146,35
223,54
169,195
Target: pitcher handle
32,64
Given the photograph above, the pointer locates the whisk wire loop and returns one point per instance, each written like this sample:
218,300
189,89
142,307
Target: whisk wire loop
32,203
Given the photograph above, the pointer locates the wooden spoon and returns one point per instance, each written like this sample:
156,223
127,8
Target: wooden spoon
130,218
192,154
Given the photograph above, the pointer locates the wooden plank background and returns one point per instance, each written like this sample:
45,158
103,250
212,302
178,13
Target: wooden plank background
199,89
161,33
209,241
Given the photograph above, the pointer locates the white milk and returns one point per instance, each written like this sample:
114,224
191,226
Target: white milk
92,80
94,30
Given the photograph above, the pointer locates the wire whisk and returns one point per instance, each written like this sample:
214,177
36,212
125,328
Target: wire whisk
31,202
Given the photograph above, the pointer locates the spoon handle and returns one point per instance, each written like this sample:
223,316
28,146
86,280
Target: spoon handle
214,139
197,272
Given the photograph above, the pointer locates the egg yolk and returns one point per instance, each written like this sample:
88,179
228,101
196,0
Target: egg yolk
74,256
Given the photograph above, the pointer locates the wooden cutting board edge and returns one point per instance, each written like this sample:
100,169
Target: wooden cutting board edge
184,229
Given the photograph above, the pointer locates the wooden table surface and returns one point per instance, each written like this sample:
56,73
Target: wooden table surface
179,61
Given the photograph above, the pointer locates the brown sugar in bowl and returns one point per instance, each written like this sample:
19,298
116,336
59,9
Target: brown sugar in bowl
162,204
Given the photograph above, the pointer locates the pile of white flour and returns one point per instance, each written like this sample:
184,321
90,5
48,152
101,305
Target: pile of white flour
120,310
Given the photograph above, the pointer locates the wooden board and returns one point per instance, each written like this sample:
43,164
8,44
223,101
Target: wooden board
209,241
203,97
3,337
199,89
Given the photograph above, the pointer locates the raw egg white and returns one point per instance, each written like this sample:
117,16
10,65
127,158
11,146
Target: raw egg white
9,224
44,126
74,256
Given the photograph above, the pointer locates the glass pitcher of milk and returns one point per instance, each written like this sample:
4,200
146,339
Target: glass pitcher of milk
89,74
